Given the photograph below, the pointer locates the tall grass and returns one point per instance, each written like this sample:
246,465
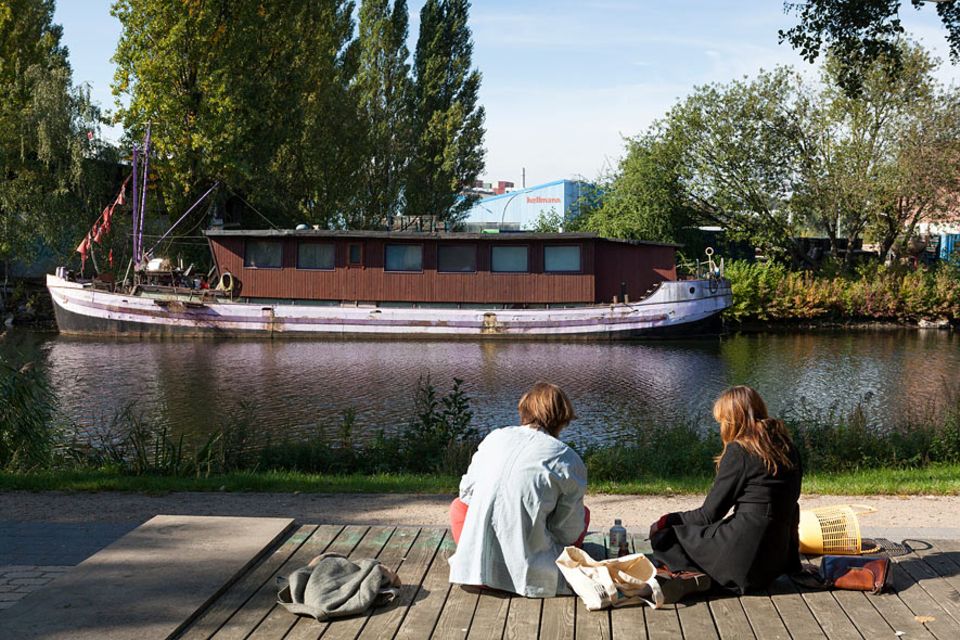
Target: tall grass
770,291
439,439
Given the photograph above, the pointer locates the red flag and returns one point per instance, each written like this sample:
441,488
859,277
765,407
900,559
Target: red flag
122,197
110,258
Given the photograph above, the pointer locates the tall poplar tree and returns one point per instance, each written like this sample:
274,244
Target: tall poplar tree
44,122
447,121
383,89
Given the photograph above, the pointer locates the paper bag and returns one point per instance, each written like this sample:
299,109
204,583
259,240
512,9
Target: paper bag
615,582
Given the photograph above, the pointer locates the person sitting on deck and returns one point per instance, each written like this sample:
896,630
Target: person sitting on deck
524,489
759,476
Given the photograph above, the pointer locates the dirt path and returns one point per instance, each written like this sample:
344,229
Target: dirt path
894,513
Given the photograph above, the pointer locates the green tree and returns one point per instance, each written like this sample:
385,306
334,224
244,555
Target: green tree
255,94
45,153
383,88
737,162
859,32
447,120
644,200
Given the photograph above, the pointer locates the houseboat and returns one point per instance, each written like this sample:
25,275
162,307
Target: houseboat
322,283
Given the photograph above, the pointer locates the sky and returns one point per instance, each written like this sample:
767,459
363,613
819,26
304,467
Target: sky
564,81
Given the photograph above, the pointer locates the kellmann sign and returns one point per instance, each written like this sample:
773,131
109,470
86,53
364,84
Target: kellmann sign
542,200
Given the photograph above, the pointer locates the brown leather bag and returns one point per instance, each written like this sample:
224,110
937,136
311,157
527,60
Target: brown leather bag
856,573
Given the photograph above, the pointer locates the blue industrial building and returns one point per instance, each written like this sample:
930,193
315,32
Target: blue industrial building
520,210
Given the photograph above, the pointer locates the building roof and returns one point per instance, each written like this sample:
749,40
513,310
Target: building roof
400,236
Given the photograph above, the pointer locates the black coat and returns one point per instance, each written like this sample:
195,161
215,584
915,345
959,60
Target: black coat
755,544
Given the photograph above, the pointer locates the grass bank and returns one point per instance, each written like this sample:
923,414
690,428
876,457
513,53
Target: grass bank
851,452
942,480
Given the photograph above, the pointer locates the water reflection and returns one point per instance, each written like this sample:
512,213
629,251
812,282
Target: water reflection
294,386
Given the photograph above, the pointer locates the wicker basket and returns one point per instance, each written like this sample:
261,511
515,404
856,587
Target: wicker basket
833,530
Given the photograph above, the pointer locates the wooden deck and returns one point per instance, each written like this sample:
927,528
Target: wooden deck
925,602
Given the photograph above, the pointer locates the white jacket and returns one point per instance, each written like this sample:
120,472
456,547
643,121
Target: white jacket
525,492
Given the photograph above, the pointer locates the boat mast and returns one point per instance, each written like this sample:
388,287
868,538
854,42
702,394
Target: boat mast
133,208
138,255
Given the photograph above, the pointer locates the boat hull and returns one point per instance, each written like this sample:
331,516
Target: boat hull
675,307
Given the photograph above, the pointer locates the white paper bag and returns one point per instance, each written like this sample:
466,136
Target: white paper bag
615,582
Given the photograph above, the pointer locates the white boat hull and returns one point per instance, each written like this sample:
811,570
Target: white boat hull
83,310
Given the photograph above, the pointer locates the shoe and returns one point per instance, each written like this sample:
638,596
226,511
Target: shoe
678,585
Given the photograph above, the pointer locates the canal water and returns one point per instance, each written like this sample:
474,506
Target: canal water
294,388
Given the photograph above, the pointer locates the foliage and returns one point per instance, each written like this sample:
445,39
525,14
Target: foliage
769,291
45,154
859,32
548,222
255,94
644,199
27,408
383,89
774,157
447,120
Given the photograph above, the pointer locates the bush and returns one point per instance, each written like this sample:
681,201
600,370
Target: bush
769,291
27,408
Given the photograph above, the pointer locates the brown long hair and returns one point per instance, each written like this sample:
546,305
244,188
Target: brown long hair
743,419
547,406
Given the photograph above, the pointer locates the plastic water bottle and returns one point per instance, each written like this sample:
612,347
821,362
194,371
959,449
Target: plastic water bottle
618,544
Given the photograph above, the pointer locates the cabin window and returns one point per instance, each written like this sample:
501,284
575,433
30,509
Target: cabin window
355,255
508,259
403,257
315,255
457,258
559,259
263,254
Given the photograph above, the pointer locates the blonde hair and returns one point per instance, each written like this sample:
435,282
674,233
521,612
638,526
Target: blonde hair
743,419
546,406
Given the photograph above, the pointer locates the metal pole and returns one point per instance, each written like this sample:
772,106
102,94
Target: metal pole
135,200
143,193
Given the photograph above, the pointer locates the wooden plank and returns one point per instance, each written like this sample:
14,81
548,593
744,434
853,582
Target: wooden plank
385,621
663,623
523,619
922,605
864,615
730,617
793,610
490,617
628,622
939,589
696,621
763,617
428,604
591,625
392,555
557,618
369,547
831,616
895,610
224,606
262,601
944,561
457,613
151,583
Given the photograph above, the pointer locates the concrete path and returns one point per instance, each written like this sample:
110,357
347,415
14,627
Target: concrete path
149,584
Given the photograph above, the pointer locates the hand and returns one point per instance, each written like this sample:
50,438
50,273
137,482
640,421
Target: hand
660,526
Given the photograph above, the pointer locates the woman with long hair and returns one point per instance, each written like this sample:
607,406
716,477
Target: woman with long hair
758,477
521,502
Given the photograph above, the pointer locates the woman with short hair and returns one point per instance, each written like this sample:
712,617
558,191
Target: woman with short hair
521,502
758,476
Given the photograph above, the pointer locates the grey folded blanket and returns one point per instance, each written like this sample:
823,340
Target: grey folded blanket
333,586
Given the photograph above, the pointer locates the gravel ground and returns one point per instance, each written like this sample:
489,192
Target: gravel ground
896,517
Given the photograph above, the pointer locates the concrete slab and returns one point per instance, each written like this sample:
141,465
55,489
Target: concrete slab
148,584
